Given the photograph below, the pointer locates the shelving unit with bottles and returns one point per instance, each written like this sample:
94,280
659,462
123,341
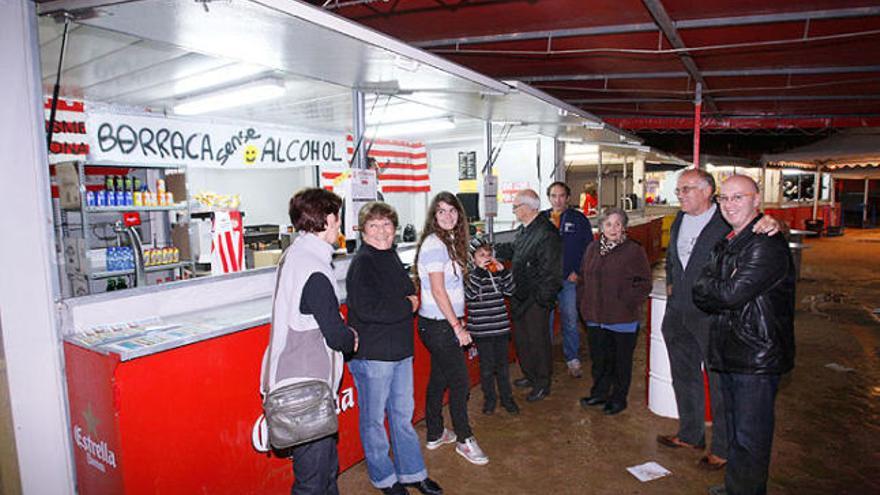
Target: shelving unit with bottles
90,230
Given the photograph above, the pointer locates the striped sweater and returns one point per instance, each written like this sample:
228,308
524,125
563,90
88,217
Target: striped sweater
484,293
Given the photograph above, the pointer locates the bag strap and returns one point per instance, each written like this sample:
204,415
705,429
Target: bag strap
266,382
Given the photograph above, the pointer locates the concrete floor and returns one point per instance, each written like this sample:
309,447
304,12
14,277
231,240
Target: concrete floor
828,422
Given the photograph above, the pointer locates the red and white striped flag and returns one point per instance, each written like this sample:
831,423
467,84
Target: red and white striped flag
227,243
403,166
68,132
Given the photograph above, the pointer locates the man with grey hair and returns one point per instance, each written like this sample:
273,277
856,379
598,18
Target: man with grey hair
536,258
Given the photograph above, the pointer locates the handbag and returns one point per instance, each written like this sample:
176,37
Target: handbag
300,413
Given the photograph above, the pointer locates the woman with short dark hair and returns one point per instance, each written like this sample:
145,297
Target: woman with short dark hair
308,335
615,281
381,301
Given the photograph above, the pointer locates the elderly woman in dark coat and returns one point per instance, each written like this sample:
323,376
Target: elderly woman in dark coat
616,280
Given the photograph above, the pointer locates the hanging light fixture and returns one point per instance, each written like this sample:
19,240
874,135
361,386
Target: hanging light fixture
231,97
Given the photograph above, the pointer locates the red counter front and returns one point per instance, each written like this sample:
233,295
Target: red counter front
797,216
180,421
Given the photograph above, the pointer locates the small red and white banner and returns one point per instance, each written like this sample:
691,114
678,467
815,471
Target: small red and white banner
69,138
403,166
227,243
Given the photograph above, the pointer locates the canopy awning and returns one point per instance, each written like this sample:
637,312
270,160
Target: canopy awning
857,148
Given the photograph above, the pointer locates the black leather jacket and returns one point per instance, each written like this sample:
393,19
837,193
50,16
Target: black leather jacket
536,262
748,287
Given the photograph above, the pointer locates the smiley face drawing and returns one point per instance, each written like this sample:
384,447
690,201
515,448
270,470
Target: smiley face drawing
250,154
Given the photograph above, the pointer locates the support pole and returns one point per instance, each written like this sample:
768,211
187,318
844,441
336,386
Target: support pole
865,203
487,170
698,107
763,188
599,182
817,186
57,87
359,127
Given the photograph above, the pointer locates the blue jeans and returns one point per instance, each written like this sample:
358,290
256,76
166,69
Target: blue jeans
568,315
386,387
749,405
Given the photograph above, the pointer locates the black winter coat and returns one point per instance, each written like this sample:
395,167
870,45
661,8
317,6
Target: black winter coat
536,262
748,287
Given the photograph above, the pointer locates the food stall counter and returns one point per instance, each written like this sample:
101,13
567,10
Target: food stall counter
164,398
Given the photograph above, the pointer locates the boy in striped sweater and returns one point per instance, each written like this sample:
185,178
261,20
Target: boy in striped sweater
485,288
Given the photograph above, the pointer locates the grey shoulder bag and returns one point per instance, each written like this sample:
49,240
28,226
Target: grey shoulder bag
300,413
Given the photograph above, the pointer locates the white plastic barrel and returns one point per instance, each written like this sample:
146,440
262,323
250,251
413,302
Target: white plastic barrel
661,397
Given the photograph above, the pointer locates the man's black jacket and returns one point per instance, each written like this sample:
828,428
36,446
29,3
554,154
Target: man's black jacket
748,286
536,262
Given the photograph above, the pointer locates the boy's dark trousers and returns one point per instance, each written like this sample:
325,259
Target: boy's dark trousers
494,367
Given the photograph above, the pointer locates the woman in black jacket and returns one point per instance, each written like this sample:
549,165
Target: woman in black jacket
381,302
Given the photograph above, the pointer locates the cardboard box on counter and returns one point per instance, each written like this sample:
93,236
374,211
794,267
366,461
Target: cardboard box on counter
175,183
268,257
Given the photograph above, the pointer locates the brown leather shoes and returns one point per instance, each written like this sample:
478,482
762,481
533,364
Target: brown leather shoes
673,442
712,462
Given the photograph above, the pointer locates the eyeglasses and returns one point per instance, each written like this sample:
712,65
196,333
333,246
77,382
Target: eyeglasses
685,190
515,205
735,199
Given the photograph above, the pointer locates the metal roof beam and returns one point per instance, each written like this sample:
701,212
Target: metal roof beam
650,27
664,22
589,101
775,71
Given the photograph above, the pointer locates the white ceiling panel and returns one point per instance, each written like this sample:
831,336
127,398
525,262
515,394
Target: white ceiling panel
135,52
156,83
92,44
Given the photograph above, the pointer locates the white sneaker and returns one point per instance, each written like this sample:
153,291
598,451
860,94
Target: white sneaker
574,368
446,437
471,451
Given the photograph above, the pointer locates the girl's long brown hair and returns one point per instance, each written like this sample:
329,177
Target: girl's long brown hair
455,240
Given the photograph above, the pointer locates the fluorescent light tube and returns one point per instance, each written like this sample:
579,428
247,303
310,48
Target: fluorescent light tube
216,77
403,112
411,128
247,94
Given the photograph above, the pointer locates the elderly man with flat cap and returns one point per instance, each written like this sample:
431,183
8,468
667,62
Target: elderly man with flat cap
536,259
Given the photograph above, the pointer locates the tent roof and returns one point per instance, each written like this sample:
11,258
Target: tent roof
852,148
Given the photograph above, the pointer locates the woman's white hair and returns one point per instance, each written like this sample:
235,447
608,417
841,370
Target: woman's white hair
610,212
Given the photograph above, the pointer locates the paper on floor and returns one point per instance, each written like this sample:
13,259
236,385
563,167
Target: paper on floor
648,471
838,367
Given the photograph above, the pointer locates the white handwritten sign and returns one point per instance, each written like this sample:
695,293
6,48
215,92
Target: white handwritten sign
155,140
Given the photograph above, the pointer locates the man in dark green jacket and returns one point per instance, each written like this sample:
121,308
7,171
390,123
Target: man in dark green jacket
536,258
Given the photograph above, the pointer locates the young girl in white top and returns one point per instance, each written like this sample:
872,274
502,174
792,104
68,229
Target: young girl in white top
441,258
